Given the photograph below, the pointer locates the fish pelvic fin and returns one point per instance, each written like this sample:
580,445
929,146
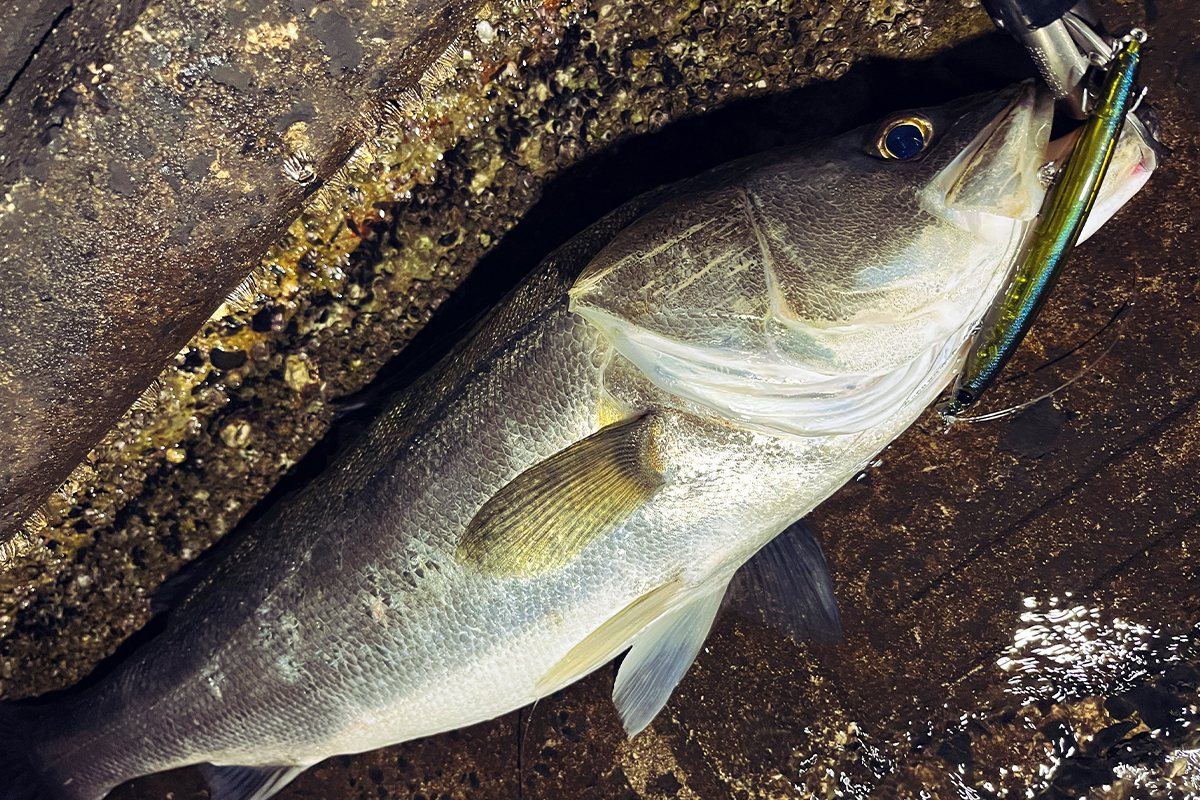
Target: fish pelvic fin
247,783
543,518
661,655
664,629
613,636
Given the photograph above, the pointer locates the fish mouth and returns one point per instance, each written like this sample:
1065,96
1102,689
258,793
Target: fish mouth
998,183
1136,155
994,186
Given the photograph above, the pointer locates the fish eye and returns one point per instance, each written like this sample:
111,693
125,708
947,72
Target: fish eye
902,137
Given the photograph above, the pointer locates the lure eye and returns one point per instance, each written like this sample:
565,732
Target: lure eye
902,137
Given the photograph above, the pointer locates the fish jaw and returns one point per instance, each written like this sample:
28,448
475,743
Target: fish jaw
993,187
997,186
1134,160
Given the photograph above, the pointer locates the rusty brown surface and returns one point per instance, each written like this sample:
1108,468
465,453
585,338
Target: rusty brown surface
935,554
144,170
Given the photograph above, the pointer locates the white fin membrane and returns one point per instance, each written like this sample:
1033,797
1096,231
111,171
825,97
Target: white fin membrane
247,783
660,656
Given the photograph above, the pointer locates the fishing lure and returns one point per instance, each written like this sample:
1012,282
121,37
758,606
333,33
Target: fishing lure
1058,230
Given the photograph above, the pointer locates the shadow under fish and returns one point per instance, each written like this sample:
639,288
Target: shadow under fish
585,474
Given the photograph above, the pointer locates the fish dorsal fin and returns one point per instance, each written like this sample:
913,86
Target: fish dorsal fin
247,783
544,517
787,585
660,656
611,637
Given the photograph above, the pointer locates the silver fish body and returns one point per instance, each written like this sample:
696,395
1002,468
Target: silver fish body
584,474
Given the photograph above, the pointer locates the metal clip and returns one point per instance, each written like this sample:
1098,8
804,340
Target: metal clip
1064,38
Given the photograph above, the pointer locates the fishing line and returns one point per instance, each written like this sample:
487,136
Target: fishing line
1116,317
1119,318
522,735
1138,100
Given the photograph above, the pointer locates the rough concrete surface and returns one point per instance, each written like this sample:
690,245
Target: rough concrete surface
1018,596
149,153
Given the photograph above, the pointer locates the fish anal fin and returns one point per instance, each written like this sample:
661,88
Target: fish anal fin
247,783
786,584
544,517
613,636
660,656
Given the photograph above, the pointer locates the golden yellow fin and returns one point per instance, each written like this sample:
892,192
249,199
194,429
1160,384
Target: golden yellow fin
610,638
543,518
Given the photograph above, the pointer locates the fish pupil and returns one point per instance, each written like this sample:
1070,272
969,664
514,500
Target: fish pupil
904,141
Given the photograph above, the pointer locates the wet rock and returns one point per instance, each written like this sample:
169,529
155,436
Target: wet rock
141,179
935,562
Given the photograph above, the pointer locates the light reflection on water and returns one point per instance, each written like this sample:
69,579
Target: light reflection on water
1179,774
1069,650
1104,708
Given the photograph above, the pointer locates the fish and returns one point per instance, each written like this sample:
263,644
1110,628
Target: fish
645,418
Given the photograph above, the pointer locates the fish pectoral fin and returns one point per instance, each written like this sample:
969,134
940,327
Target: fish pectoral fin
613,636
544,517
787,586
660,656
247,783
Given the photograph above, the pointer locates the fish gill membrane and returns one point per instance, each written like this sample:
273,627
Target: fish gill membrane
663,396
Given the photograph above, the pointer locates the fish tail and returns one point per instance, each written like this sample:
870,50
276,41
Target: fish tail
20,778
23,775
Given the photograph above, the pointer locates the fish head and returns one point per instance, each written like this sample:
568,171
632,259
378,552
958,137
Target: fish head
831,288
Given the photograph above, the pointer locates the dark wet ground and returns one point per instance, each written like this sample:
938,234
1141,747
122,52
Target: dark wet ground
1079,513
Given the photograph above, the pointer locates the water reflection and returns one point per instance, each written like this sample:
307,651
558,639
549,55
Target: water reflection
1069,650
1099,707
